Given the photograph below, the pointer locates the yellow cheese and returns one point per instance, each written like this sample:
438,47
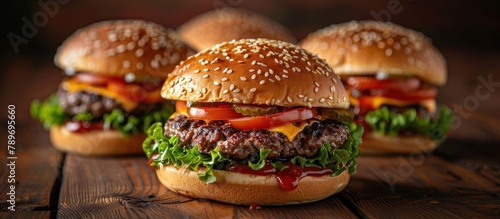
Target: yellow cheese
290,130
377,101
74,86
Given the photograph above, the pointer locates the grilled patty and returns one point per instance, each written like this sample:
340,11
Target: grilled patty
98,105
239,145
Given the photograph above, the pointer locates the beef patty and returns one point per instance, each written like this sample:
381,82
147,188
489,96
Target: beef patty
239,145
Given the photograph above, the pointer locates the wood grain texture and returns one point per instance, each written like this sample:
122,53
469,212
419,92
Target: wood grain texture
106,187
427,187
25,214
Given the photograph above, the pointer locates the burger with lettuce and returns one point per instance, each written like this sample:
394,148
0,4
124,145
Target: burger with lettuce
110,94
392,75
257,122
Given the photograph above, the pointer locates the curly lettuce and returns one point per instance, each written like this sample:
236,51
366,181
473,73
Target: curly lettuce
388,123
170,153
50,113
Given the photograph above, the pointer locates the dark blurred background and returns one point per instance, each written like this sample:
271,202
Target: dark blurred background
466,32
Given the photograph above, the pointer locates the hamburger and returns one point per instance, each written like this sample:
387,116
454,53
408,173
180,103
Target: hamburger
391,74
226,24
257,121
113,73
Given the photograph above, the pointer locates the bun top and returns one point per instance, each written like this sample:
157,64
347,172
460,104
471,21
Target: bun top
118,47
227,24
369,47
256,71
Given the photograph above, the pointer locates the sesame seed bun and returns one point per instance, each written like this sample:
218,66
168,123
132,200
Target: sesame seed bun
368,47
118,47
100,143
245,189
226,24
256,71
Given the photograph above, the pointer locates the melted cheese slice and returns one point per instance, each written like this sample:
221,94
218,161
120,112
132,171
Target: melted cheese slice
74,86
377,101
290,130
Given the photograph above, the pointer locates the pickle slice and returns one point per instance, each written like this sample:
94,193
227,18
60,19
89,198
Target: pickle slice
254,110
342,115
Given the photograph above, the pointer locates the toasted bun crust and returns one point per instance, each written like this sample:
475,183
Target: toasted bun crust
368,47
96,142
245,189
226,24
118,47
375,143
256,71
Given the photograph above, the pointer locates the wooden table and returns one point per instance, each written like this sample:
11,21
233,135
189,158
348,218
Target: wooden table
461,179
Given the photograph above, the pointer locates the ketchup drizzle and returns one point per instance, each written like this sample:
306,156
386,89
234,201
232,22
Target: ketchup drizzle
288,178
83,126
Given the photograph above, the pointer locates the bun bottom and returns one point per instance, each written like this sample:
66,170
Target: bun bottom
375,143
96,142
246,189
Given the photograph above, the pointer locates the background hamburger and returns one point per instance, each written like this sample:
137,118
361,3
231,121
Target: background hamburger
391,74
258,122
111,90
225,24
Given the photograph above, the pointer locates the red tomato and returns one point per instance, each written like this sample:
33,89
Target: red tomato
367,83
273,120
415,95
220,112
130,91
93,79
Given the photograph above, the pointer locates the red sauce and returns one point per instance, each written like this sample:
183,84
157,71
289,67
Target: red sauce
151,159
83,126
255,206
288,178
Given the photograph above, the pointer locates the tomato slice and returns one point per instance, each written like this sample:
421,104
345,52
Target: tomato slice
130,91
415,95
367,83
273,120
219,112
93,79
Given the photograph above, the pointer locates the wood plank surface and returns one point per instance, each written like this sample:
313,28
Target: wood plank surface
37,163
25,214
127,187
423,187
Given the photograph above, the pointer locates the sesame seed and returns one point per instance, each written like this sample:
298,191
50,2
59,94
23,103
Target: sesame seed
262,82
216,83
225,91
231,87
126,63
205,69
154,64
204,76
251,70
243,78
271,80
253,76
217,69
120,48
196,71
271,71
334,80
139,65
316,84
289,99
388,52
322,100
246,56
309,105
332,89
139,53
236,90
236,100
266,74
229,71
277,77
285,71
284,76
253,89
223,79
204,90
253,62
300,96
316,89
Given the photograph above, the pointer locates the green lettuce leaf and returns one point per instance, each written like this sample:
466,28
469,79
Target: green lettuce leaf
388,123
49,113
169,152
